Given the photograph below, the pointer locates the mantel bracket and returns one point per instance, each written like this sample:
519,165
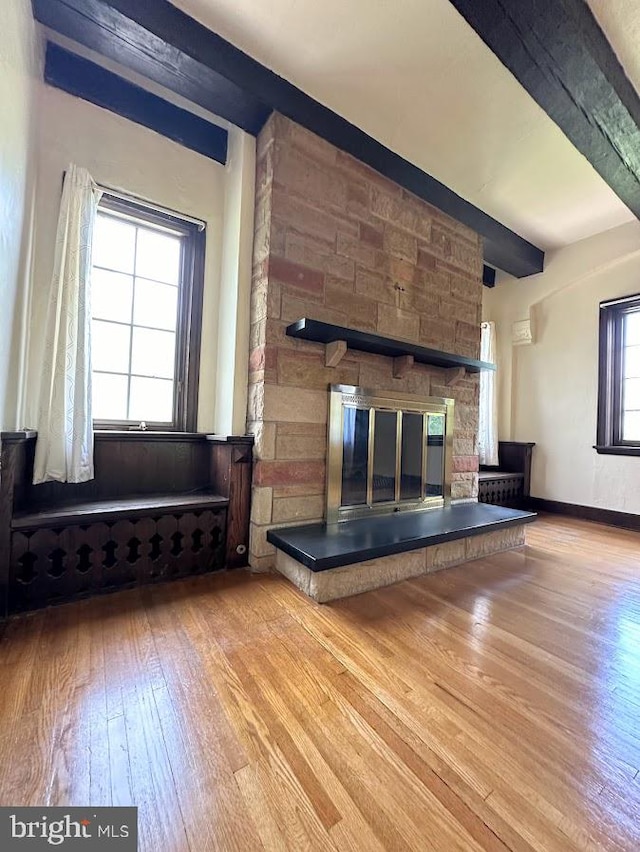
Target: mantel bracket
334,352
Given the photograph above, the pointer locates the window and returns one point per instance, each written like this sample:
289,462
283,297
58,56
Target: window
619,385
146,282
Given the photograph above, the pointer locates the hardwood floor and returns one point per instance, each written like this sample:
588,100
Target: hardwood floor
492,706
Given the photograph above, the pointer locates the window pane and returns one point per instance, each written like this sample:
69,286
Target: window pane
155,304
151,400
114,243
109,397
632,329
632,362
111,295
158,256
631,426
153,353
110,346
631,394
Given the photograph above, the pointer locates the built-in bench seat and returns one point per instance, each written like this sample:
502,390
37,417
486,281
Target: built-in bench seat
161,505
508,483
112,510
329,561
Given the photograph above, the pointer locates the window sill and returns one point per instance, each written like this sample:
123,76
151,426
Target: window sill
611,450
147,435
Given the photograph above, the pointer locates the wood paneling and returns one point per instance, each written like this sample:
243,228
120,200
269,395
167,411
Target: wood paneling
493,706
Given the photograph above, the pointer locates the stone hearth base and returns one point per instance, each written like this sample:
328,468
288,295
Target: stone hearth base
335,583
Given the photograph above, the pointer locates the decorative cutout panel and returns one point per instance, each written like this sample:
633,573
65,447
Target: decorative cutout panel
53,565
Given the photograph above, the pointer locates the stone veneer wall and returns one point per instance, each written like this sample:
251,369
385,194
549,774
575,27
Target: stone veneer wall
336,241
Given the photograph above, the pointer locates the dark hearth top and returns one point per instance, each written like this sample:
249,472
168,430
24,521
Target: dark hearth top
322,546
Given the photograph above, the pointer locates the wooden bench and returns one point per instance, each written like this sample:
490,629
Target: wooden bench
161,505
507,484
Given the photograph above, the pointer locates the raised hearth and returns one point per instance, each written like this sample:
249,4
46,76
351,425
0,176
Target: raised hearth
328,562
323,546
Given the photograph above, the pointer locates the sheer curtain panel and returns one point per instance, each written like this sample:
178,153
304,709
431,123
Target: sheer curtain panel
64,449
488,426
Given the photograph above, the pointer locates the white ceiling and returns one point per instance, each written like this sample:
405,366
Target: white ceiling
415,76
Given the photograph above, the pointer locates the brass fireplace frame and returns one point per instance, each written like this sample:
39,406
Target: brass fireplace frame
348,396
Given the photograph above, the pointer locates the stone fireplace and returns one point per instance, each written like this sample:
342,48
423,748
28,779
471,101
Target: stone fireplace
338,242
353,279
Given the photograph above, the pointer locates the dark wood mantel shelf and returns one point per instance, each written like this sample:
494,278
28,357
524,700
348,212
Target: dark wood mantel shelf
364,341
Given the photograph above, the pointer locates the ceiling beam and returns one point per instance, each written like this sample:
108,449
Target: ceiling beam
559,54
89,81
165,45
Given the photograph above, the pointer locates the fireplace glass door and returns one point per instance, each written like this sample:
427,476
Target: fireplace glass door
387,452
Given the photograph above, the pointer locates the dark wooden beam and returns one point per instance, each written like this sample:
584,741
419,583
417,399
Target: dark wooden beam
89,81
159,41
104,29
488,276
557,51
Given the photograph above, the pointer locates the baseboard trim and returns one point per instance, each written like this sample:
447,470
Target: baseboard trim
625,520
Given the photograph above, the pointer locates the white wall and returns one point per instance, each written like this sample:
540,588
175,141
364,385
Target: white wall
123,155
548,389
19,68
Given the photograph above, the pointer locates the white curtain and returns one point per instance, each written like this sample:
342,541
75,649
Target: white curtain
64,449
488,426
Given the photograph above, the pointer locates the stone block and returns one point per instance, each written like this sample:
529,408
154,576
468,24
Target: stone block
293,404
307,177
307,370
302,218
312,145
400,244
395,322
340,267
261,505
375,285
464,464
438,334
468,331
264,439
255,402
371,236
362,312
456,309
286,473
360,252
258,544
336,583
296,275
445,555
468,289
261,564
309,508
426,259
495,542
358,200
301,447
293,308
306,489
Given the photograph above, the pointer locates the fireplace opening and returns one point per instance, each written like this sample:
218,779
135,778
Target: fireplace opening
387,452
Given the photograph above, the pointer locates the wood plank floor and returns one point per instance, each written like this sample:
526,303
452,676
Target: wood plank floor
493,706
